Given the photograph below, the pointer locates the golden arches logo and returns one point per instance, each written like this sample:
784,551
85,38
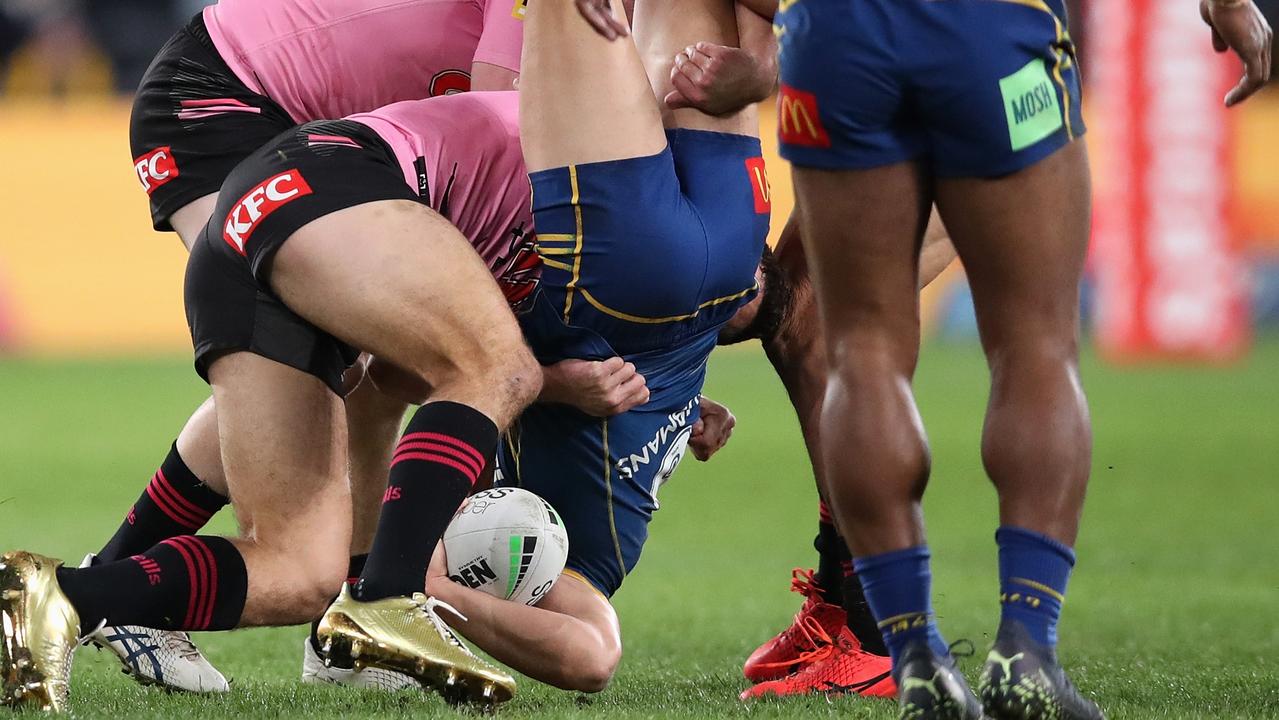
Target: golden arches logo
798,121
759,184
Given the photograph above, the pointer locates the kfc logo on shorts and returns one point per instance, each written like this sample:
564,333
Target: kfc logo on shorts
156,168
264,199
798,122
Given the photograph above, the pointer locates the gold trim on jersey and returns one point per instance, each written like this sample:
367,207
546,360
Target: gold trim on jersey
608,487
557,264
586,295
577,244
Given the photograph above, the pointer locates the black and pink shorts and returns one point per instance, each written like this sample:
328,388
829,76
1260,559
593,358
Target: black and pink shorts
193,121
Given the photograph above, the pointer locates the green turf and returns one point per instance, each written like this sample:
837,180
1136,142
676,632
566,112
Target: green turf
1172,613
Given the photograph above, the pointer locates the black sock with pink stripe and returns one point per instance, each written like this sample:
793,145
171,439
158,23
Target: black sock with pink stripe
184,583
174,503
440,456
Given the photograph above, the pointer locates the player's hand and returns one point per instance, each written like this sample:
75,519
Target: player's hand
712,429
601,388
599,13
1238,25
719,80
438,571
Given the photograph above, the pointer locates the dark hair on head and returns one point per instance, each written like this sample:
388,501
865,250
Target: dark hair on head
774,305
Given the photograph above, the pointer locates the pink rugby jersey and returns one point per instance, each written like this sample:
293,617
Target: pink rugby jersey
324,59
463,152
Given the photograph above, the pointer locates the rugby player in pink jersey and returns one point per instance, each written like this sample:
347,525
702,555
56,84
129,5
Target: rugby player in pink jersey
243,71
239,74
362,233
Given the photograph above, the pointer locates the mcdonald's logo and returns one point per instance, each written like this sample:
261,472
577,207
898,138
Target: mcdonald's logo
798,122
759,184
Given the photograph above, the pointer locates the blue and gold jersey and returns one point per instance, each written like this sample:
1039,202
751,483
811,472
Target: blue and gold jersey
645,258
648,257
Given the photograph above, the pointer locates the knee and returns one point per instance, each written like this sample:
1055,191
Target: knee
522,378
319,581
509,378
1034,353
313,580
593,673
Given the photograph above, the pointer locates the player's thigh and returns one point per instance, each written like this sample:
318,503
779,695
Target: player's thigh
189,220
394,278
664,29
582,98
283,435
1023,239
861,231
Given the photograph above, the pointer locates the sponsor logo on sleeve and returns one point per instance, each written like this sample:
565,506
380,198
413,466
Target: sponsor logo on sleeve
265,198
521,7
156,168
759,185
450,82
798,122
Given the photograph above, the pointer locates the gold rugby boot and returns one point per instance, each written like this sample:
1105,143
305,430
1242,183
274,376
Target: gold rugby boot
38,633
407,635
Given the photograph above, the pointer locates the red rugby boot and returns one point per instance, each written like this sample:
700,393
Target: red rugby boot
781,656
837,667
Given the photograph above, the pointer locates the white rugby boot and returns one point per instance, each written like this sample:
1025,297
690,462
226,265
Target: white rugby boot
314,671
165,658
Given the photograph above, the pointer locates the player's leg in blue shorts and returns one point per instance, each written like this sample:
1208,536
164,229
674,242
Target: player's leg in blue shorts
971,88
646,258
650,243
886,107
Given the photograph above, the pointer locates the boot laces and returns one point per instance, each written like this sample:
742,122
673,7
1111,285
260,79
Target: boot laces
819,643
429,607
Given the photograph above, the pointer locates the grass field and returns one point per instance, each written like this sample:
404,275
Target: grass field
1173,612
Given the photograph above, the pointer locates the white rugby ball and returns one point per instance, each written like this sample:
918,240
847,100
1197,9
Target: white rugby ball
507,542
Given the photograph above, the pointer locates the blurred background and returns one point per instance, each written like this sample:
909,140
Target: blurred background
1185,258
1182,368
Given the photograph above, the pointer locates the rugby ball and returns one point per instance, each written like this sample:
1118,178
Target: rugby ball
507,542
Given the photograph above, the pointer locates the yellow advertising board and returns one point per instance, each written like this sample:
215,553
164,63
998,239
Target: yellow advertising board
81,270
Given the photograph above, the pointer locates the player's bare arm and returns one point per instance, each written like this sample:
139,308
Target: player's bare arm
596,387
571,639
721,79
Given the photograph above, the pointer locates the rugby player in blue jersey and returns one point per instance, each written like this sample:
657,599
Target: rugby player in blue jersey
886,107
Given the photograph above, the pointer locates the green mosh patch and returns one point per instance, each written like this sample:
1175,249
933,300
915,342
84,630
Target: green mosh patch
1030,101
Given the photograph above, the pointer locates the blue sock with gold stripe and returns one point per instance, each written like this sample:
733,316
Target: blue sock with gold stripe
1033,572
898,587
